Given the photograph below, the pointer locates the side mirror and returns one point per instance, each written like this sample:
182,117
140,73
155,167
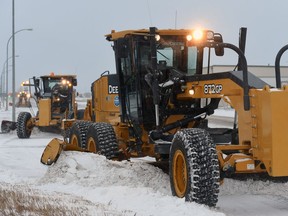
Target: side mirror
37,82
219,51
121,48
74,82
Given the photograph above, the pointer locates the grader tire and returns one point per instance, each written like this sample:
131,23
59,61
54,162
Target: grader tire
24,125
78,133
194,168
101,139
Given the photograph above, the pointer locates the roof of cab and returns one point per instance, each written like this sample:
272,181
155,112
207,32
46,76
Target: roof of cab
121,34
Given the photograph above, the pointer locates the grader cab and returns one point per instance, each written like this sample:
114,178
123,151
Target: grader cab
164,96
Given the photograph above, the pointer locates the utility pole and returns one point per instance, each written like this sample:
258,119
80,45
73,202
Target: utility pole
13,63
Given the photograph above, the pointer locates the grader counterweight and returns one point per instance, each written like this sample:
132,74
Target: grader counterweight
160,107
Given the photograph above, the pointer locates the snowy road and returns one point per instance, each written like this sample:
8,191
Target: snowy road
253,205
102,187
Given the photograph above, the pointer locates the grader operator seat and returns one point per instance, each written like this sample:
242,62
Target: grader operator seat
60,97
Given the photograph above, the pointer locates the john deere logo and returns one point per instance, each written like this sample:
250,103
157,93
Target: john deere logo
116,101
112,89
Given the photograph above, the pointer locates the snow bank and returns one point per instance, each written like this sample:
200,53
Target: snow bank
137,186
22,199
92,170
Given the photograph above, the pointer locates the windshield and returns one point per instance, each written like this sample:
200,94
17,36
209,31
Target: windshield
49,83
173,52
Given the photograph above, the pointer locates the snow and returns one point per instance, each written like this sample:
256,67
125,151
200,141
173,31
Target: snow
224,112
92,185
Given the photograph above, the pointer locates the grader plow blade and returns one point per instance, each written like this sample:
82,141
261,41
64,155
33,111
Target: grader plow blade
7,126
52,151
54,148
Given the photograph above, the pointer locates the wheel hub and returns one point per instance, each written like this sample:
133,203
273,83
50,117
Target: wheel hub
180,173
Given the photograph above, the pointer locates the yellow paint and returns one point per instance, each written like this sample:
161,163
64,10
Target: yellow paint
231,92
44,112
270,134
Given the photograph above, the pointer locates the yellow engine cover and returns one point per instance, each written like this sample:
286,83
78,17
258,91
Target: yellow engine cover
44,112
106,99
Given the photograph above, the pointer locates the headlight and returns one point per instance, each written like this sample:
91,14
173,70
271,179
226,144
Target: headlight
197,35
192,91
200,35
64,81
157,37
189,37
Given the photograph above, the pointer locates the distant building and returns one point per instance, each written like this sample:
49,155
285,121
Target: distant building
264,72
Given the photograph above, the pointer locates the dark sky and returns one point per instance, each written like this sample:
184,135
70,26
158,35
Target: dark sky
68,35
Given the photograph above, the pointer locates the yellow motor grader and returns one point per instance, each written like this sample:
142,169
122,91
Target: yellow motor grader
55,99
157,103
23,99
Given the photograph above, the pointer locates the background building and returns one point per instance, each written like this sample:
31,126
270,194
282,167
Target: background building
265,73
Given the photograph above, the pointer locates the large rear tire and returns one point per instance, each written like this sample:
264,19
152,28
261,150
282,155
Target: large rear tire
101,139
24,125
194,168
78,133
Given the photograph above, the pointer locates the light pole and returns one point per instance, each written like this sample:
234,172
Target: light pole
3,76
13,60
29,29
2,88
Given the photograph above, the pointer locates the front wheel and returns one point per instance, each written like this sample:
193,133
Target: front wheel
194,168
24,125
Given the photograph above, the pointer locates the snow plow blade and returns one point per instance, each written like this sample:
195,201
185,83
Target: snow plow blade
7,126
53,150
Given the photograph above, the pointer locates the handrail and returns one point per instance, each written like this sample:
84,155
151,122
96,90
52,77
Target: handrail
244,67
107,71
277,65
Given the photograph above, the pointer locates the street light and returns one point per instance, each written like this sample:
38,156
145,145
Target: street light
29,29
3,78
